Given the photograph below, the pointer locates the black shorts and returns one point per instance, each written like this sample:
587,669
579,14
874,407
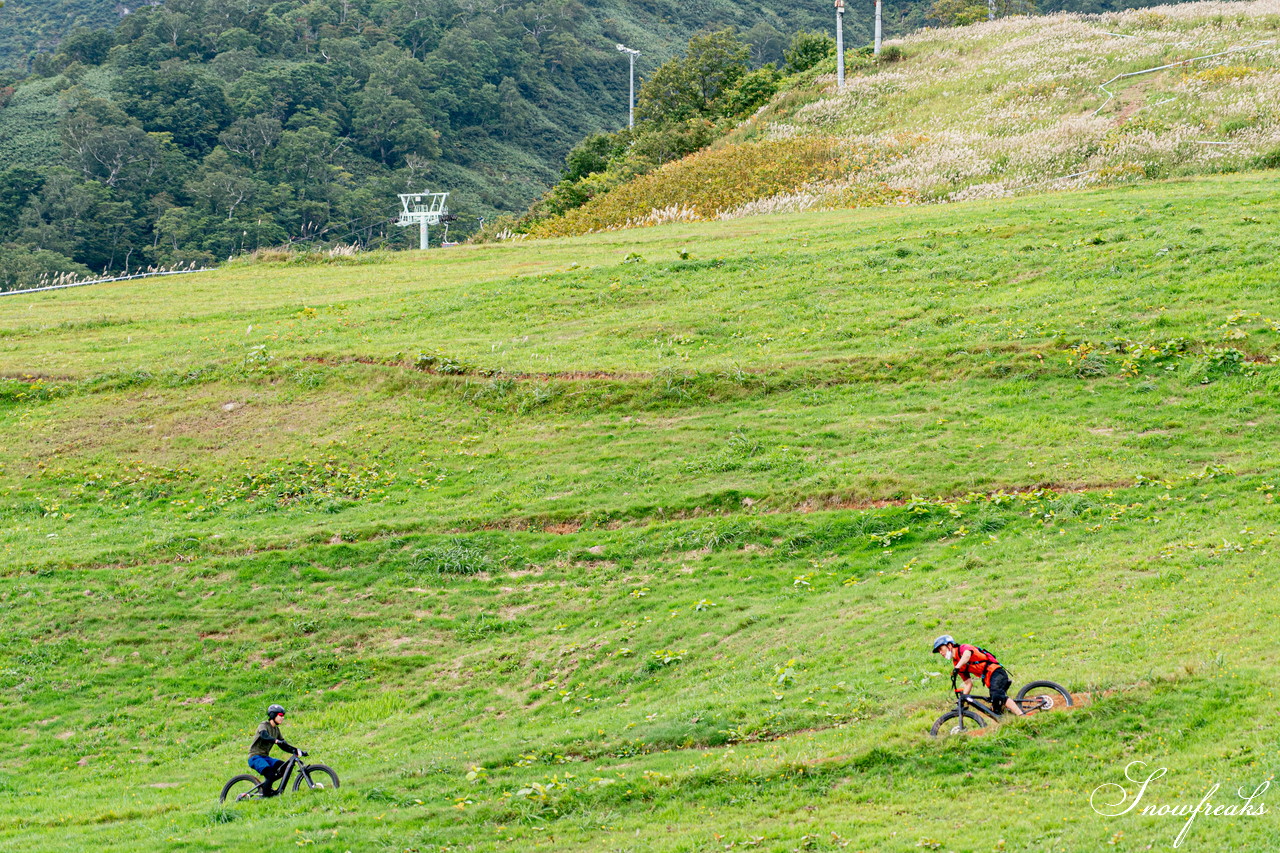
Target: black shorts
1000,684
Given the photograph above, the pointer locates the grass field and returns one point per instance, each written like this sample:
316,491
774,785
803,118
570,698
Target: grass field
637,541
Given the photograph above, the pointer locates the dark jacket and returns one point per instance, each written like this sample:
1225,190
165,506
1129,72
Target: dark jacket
267,736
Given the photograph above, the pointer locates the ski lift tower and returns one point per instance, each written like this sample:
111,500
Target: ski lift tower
422,209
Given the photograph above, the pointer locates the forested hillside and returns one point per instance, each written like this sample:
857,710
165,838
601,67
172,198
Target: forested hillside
198,129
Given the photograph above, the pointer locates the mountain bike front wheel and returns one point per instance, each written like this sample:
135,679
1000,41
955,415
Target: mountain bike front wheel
320,775
951,724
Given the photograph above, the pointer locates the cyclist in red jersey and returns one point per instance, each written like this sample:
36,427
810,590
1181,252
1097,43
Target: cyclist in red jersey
968,661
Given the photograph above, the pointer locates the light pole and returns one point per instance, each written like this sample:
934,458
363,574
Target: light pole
631,101
877,27
839,44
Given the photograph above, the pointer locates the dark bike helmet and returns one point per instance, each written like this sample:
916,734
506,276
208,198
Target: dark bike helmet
945,639
273,710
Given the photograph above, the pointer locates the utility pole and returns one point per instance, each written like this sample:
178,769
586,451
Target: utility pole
877,27
840,44
631,100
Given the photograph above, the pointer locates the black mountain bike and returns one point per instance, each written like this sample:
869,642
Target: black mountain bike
1033,697
249,787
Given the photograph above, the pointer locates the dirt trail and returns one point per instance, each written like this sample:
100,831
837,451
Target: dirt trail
752,506
571,375
1135,96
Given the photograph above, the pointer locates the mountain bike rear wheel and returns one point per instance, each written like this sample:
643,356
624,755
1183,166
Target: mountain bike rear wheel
944,725
1047,694
242,787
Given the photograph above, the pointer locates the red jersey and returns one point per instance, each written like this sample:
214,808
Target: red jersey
980,663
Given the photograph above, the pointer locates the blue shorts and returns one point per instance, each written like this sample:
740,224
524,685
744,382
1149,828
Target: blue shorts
265,765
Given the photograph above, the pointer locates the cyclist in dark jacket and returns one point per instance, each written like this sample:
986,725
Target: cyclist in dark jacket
968,661
267,736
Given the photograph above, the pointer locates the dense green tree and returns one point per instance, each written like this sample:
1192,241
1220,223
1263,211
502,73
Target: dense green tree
562,52
668,94
17,185
178,99
389,127
958,13
179,235
223,186
117,233
87,46
716,60
282,90
237,39
690,86
594,154
64,218
752,91
517,116
251,137
106,151
306,159
660,144
767,44
25,265
807,50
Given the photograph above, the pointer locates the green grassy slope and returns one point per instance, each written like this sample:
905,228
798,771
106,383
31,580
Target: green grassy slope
29,124
584,544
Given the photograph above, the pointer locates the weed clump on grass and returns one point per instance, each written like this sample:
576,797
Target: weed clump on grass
440,363
16,391
1270,160
663,658
483,626
456,557
218,817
